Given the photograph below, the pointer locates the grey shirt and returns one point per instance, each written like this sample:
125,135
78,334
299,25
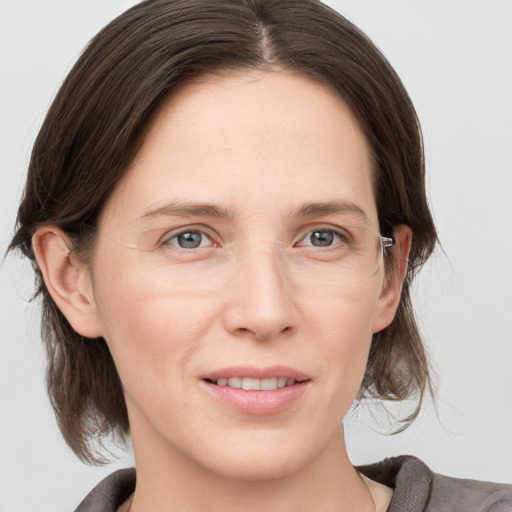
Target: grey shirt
416,489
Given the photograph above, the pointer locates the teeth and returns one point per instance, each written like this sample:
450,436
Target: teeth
235,382
269,384
250,384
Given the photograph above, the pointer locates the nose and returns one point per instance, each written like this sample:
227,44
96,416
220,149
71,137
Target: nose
259,298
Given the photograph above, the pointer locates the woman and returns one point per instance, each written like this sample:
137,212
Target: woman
226,207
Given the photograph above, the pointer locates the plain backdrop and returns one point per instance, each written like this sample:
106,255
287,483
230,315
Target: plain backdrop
455,58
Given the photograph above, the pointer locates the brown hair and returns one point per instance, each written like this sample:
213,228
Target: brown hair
96,124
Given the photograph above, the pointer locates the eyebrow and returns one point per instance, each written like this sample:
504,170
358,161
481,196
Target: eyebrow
309,210
190,210
305,210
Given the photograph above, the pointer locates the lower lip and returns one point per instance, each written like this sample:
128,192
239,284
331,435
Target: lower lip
257,402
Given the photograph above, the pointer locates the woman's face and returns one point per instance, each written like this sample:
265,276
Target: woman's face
210,268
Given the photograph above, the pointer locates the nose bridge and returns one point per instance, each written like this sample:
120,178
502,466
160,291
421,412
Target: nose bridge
259,247
262,261
262,294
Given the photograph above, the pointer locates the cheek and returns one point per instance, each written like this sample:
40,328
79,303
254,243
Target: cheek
343,321
343,313
148,326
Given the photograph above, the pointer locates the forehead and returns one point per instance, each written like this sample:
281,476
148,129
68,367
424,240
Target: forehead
250,142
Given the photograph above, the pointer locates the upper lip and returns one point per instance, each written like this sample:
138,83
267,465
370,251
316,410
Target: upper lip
256,373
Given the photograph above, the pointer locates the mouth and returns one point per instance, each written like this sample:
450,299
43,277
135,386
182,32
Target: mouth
256,391
252,384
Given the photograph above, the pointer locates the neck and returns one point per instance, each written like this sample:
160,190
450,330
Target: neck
169,481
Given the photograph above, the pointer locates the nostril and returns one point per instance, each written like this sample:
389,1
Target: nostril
270,335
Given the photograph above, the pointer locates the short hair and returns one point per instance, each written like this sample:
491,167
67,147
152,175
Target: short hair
96,125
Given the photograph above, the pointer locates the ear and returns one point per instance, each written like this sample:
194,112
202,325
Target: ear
389,298
68,281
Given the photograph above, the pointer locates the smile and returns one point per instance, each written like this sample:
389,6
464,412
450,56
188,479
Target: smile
256,391
249,383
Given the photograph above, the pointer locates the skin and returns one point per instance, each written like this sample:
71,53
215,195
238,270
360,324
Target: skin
258,145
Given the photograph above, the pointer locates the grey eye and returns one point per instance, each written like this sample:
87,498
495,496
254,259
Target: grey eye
189,239
322,238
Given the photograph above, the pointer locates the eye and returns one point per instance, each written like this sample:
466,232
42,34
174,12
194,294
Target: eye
321,238
189,239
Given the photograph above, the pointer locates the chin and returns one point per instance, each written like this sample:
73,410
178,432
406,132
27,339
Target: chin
259,467
260,456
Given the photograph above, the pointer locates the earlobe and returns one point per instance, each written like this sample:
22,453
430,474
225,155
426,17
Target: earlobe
391,292
67,280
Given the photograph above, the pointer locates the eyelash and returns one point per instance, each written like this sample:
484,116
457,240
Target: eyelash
341,235
165,241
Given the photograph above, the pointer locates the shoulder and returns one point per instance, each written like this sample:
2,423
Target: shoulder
110,493
416,488
470,495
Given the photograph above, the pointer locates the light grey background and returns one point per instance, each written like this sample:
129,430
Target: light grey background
455,57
